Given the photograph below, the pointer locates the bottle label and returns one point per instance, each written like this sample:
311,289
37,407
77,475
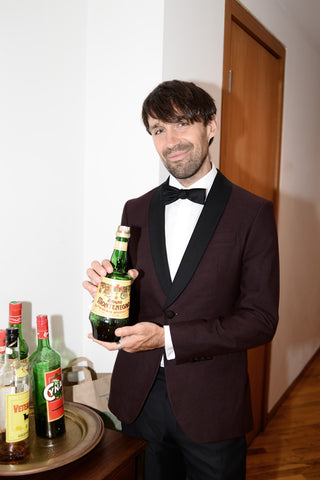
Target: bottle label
17,416
52,393
25,363
21,372
112,299
123,246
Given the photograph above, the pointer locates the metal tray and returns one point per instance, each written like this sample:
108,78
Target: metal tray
84,430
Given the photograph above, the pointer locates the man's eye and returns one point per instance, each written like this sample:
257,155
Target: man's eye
183,124
158,132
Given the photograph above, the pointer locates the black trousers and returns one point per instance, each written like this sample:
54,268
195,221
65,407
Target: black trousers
171,455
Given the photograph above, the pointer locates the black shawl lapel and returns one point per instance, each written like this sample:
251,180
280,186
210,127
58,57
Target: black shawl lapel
215,204
158,241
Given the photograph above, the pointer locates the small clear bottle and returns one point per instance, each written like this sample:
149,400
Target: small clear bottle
14,403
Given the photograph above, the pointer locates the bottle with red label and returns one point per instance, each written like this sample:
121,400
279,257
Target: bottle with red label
45,366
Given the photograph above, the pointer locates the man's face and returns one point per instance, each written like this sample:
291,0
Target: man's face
183,147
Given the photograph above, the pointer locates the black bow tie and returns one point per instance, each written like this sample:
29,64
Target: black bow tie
171,194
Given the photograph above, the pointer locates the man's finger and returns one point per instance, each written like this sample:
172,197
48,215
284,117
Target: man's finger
107,266
99,268
107,345
133,273
90,287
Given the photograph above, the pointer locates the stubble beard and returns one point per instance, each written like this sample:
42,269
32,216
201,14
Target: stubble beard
186,168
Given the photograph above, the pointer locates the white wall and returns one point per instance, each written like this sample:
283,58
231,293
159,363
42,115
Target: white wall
73,76
42,120
73,149
124,62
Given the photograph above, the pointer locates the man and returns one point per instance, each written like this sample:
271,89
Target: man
205,289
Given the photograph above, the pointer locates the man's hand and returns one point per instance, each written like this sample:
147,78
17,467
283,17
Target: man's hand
137,338
100,270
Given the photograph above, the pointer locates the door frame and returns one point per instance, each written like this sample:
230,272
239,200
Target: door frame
235,12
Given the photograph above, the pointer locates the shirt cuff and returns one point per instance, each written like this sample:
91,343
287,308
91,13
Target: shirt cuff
168,346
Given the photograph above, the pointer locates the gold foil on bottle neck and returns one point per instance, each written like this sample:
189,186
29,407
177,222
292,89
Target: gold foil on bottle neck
123,231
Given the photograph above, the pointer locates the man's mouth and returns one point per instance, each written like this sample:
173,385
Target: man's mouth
176,153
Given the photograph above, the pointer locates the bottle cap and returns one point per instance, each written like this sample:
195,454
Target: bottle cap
42,322
15,312
12,336
123,231
42,327
2,337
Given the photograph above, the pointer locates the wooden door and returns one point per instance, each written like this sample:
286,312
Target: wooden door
250,138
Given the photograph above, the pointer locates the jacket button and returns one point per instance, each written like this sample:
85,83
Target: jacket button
170,314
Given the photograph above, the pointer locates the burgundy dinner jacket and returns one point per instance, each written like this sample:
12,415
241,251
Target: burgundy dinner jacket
223,301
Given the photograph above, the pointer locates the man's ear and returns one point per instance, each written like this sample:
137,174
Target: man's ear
212,127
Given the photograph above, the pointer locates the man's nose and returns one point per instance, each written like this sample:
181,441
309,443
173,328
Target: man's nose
172,137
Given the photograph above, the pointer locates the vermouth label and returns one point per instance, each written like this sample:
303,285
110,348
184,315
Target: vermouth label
112,299
17,416
52,393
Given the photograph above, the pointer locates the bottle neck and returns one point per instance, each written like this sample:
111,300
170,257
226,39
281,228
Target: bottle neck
17,325
43,343
12,354
15,315
119,255
43,336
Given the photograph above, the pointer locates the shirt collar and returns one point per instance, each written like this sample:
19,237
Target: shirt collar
204,182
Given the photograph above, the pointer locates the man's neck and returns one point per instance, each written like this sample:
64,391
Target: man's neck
205,181
187,182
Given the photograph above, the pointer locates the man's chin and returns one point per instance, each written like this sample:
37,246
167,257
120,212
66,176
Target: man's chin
181,173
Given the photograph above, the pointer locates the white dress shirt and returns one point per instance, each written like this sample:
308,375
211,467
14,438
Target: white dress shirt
181,218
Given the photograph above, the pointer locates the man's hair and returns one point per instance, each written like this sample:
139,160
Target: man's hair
175,100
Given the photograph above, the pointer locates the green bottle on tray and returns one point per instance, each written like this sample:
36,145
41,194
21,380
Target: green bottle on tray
46,380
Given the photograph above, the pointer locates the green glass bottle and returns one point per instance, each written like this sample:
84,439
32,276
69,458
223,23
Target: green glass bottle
45,366
15,320
111,305
14,403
